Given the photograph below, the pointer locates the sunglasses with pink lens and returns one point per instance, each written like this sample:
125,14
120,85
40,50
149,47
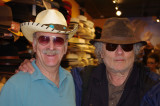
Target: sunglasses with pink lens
57,41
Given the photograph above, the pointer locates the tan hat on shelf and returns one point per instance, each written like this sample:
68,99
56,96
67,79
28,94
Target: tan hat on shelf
89,23
82,18
74,20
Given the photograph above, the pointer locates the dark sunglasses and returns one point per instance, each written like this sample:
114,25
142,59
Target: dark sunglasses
44,40
113,47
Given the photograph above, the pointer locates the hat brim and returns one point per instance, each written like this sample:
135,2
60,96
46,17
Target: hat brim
120,41
28,28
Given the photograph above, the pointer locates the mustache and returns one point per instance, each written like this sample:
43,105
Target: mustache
50,52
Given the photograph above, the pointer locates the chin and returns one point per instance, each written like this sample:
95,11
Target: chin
51,64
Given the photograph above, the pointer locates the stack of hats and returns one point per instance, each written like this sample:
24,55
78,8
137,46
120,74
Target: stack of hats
90,30
80,51
81,30
86,28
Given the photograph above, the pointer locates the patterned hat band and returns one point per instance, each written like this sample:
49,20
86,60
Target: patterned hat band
57,26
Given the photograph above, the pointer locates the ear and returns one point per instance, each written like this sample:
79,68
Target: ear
102,52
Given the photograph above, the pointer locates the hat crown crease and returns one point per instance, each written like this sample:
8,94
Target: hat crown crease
49,16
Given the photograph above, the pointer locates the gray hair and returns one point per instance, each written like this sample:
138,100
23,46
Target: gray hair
34,38
98,50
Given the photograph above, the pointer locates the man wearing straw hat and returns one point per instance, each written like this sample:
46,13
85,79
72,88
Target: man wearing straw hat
50,84
118,80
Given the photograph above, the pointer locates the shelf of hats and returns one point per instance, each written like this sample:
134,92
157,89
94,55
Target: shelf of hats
14,47
80,51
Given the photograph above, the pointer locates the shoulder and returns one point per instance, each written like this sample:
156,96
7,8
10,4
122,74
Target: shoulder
67,73
89,69
19,79
152,97
146,73
87,72
16,85
13,91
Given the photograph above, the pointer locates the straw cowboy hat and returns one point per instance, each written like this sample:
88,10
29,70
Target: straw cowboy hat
49,20
118,31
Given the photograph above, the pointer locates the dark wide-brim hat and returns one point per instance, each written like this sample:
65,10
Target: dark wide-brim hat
118,31
50,20
5,18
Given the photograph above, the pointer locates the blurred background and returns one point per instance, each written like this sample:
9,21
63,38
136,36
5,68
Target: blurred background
90,16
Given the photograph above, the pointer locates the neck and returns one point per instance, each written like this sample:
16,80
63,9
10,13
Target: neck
52,73
117,79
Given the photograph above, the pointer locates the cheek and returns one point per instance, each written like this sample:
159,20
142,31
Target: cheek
62,51
103,52
65,49
34,47
130,57
107,58
39,53
102,55
38,48
111,63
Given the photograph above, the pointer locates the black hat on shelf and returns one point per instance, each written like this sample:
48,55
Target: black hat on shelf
9,58
5,18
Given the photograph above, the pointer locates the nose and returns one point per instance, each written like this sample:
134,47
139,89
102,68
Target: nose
51,44
119,50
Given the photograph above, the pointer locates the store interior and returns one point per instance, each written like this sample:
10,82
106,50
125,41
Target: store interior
90,16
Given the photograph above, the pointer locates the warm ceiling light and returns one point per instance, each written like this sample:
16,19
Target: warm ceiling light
6,0
116,7
114,1
102,16
158,20
118,13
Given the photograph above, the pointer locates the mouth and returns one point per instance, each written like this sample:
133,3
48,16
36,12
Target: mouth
119,60
50,52
50,55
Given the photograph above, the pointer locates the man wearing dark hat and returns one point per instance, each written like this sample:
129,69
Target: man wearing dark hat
50,84
118,80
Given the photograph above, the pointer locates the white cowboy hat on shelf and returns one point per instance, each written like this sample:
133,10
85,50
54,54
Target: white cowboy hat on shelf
50,20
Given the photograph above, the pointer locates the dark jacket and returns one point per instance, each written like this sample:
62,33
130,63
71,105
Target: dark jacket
137,91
